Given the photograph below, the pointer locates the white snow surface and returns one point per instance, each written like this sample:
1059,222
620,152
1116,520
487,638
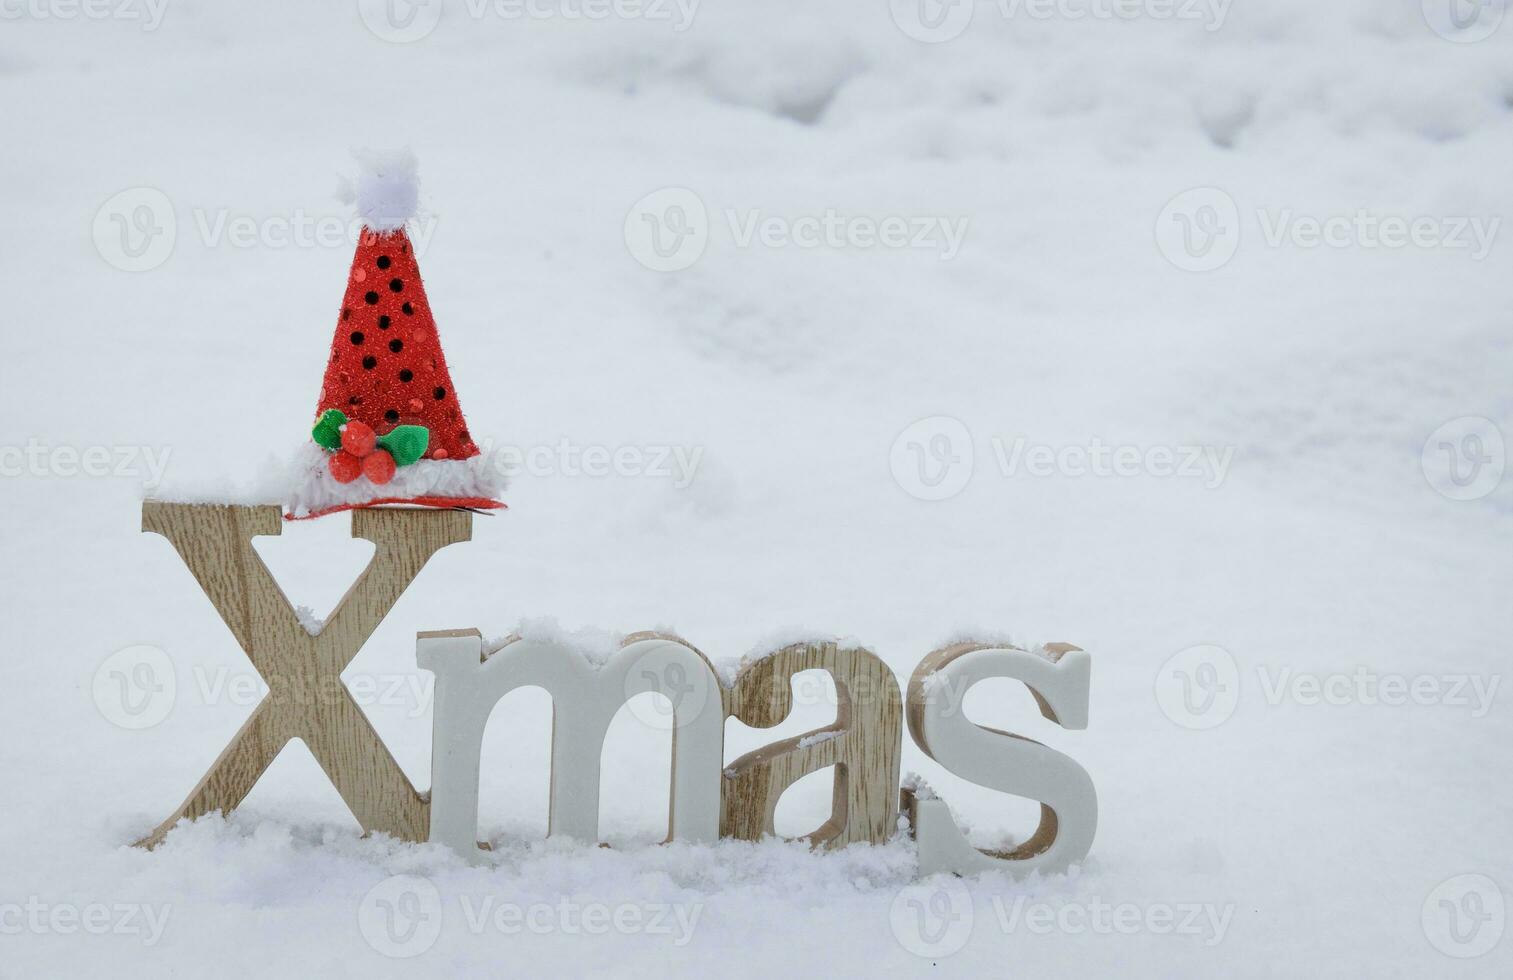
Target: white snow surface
1323,818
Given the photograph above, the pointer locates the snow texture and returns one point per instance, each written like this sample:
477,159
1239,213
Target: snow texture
194,334
597,646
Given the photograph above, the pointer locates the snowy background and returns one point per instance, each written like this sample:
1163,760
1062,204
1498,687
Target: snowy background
1265,235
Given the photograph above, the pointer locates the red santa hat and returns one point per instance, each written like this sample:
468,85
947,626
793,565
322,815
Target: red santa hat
389,425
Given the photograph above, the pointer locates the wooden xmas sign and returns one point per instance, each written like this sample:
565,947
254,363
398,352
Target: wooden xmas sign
307,700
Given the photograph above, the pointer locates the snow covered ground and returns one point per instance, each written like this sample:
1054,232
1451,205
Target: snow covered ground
1179,331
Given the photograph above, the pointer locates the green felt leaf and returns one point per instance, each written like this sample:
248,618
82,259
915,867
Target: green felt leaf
327,431
406,443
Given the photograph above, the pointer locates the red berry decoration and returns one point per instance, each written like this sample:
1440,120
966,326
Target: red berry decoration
358,438
379,467
345,467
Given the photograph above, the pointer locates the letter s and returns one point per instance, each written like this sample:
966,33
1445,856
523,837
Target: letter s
1059,677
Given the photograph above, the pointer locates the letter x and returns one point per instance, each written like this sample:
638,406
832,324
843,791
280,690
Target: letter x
306,698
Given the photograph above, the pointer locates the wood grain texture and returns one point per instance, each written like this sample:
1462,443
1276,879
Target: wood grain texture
306,698
863,745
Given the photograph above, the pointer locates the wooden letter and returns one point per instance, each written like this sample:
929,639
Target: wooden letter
306,698
1059,678
863,745
585,698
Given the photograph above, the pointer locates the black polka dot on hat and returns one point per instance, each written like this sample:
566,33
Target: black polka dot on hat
439,393
383,261
409,309
407,375
396,285
356,337
369,363
383,322
391,415
370,297
396,345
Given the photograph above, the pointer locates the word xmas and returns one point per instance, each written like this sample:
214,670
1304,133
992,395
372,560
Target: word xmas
709,800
